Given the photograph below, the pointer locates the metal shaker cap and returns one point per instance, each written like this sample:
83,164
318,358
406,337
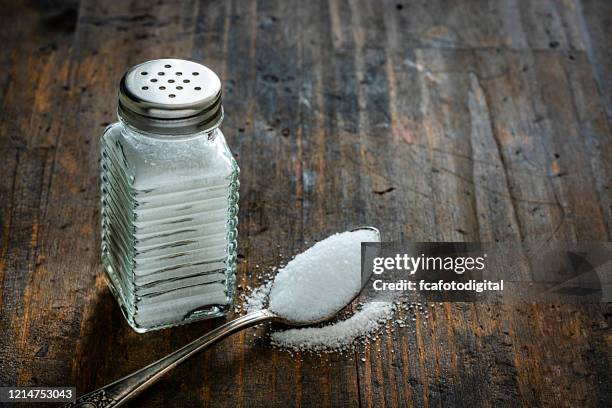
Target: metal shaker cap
171,96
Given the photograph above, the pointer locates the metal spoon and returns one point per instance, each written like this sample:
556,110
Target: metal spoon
119,392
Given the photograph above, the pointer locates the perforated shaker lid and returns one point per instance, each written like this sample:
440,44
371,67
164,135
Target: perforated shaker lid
171,96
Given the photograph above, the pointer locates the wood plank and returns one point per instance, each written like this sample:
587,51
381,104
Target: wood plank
19,254
514,24
596,31
29,125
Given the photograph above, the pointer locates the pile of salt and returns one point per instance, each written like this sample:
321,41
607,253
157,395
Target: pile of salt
336,336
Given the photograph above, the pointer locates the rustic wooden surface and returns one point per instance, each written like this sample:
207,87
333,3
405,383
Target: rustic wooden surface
432,120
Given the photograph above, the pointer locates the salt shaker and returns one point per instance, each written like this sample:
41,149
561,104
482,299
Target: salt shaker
169,197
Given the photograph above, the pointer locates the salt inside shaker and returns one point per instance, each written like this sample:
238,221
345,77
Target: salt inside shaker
169,197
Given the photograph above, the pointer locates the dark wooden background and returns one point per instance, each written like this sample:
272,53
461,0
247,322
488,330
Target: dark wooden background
433,120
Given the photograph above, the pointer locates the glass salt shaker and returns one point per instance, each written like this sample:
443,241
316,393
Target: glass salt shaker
169,197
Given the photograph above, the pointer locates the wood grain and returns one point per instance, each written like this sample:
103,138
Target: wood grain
485,120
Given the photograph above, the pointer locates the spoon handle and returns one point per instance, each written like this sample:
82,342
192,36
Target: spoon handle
119,392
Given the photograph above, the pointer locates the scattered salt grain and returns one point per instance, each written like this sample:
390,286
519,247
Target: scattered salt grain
258,298
322,280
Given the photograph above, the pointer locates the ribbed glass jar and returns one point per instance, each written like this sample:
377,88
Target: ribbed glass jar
169,224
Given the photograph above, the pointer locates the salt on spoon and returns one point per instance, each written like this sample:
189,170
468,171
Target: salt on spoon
322,280
297,286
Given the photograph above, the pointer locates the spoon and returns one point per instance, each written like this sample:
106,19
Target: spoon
116,394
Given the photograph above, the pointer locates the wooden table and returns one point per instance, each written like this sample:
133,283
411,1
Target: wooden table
432,120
